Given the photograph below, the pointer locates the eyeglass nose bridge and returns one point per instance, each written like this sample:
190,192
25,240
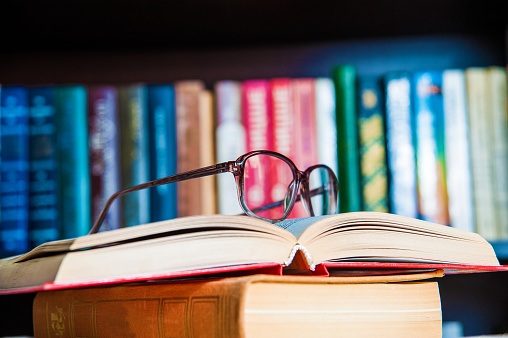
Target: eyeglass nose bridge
304,192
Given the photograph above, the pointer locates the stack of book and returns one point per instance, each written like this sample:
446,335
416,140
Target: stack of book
354,274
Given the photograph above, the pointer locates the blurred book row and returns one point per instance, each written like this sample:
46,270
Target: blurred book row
430,145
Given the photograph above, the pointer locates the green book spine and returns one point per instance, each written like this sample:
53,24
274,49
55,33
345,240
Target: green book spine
344,77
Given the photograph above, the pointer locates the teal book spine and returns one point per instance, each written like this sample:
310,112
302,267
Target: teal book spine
374,175
14,171
345,80
134,152
163,150
430,151
399,144
44,221
73,160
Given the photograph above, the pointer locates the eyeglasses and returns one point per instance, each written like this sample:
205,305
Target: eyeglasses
268,184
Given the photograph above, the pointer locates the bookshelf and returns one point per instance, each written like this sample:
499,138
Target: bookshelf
92,42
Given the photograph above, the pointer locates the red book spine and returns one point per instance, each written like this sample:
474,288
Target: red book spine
258,126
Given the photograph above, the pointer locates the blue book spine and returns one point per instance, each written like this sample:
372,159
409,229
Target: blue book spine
399,145
162,122
430,152
73,161
43,182
104,143
14,171
134,153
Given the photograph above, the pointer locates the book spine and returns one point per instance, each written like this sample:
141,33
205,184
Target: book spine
134,153
344,77
481,159
285,133
104,154
259,135
162,120
430,154
400,148
230,142
188,309
498,112
73,160
457,151
44,225
14,170
208,194
326,123
304,126
189,154
374,174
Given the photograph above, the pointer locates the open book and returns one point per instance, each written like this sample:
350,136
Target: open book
200,245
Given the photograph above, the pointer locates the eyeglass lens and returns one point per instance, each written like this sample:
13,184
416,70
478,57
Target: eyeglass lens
269,180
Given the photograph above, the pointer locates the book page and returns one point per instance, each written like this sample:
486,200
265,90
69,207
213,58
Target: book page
297,226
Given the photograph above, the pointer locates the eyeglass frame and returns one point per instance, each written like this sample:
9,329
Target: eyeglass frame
237,169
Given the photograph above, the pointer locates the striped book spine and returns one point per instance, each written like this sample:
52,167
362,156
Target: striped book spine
14,171
44,221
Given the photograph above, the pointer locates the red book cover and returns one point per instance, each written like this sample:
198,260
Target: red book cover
258,126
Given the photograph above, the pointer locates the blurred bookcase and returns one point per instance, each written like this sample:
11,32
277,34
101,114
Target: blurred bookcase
111,42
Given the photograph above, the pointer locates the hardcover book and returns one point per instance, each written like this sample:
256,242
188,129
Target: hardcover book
229,141
371,124
339,245
457,151
207,193
497,104
430,152
104,143
326,123
252,306
188,144
14,138
257,117
163,148
399,145
44,219
134,153
345,81
73,160
481,157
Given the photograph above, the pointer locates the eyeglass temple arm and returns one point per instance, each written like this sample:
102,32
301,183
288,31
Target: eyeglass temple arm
197,173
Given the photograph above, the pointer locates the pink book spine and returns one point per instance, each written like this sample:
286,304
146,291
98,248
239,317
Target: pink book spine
258,126
305,134
284,136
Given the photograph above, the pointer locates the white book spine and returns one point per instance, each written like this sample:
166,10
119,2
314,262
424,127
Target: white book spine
458,161
230,142
326,123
